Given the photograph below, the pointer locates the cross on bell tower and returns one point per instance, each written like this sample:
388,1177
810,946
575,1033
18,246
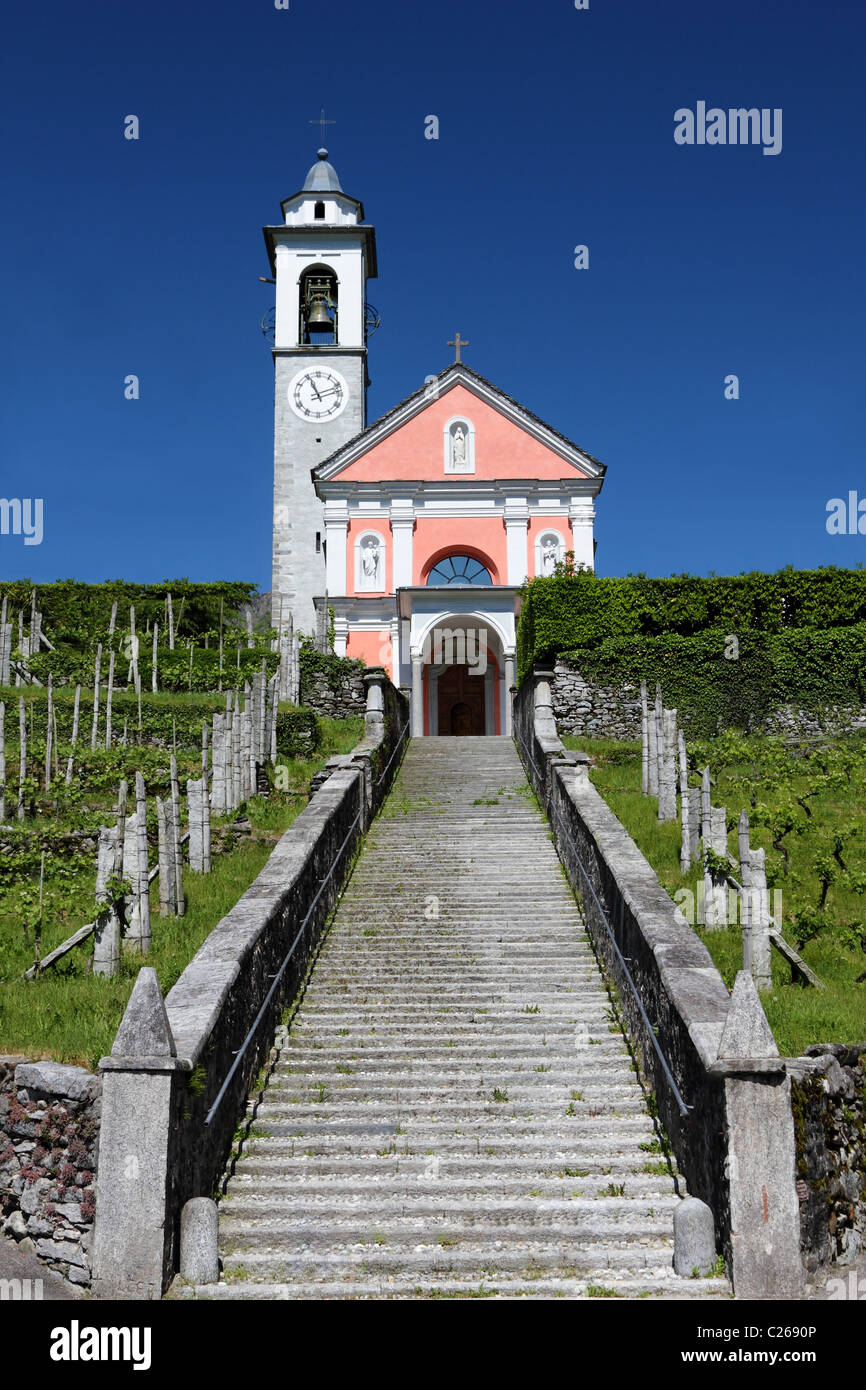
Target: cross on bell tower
321,254
321,122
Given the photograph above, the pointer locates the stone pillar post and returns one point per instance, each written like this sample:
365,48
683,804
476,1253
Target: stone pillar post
374,715
764,1255
132,1238
715,891
417,729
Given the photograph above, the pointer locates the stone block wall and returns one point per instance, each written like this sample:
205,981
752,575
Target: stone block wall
338,701
598,711
829,1104
49,1128
581,706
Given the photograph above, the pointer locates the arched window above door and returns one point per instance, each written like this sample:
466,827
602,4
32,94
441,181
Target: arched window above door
459,569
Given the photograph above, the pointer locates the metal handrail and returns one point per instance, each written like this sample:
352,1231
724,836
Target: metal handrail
380,779
683,1107
279,975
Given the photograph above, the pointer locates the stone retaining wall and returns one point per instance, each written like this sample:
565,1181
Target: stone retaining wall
49,1127
581,706
347,699
829,1103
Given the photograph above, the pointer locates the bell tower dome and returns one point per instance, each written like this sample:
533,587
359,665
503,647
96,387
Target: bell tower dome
322,254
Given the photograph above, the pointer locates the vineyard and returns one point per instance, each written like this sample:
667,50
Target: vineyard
104,686
806,805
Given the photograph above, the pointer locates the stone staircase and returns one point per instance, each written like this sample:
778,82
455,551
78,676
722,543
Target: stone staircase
452,1111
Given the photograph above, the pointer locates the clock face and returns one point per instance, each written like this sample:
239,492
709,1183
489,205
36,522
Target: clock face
318,393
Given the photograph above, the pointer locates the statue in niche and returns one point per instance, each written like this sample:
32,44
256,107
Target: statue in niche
549,554
458,450
370,549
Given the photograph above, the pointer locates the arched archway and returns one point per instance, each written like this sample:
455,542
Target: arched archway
464,689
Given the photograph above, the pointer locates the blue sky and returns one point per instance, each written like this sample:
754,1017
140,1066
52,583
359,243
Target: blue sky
556,129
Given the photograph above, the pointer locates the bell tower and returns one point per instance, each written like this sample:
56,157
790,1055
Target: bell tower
321,255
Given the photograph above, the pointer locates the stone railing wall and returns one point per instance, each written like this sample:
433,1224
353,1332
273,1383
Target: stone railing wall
735,1143
170,1059
49,1127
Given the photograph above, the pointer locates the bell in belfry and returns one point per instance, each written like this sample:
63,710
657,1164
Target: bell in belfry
318,318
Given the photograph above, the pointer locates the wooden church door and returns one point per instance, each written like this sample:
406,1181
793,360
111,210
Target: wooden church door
461,702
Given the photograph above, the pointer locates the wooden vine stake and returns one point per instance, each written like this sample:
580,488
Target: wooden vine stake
644,739
180,905
685,809
153,659
205,838
75,716
95,698
22,754
108,698
167,891
143,879
2,762
49,732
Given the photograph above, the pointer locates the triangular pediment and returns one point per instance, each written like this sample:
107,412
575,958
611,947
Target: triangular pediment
509,442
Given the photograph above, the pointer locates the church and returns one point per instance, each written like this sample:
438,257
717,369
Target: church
417,531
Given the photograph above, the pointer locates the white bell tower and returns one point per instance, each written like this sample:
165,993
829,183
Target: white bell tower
321,256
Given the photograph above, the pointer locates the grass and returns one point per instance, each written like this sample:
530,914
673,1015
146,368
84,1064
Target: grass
798,1015
71,1015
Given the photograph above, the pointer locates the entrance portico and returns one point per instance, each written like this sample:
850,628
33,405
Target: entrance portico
457,650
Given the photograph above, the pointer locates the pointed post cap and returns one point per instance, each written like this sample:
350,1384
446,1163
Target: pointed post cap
144,1029
746,1035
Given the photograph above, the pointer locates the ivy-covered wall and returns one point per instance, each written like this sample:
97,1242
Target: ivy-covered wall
728,651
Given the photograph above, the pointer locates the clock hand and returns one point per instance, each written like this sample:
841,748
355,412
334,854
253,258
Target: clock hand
313,385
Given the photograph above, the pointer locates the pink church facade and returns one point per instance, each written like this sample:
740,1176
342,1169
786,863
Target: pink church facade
434,518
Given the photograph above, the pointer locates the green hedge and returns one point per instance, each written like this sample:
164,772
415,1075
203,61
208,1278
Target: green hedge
72,666
80,612
582,610
713,691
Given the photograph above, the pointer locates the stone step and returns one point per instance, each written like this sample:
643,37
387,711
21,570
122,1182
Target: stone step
475,1260
349,1180
376,1162
571,1149
329,1233
656,1284
282,1159
464,1212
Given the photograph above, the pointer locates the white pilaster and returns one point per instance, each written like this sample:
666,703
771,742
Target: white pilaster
507,723
402,529
582,516
417,728
341,635
336,533
516,523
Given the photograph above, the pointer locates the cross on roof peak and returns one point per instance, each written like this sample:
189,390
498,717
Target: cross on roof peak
457,342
